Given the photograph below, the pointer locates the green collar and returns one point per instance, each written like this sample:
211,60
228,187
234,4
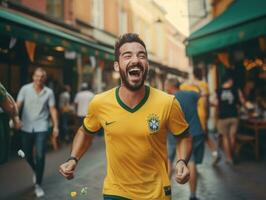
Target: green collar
141,103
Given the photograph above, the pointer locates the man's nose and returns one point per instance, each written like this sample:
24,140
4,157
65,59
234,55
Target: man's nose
135,59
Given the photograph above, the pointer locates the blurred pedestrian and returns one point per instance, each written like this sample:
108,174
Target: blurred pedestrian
135,119
227,98
81,101
197,84
65,109
37,103
9,107
188,101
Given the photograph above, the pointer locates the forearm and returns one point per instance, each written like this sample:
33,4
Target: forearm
184,148
9,106
241,97
81,143
54,117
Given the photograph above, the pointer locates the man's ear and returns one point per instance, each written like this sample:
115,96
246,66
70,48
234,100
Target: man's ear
116,66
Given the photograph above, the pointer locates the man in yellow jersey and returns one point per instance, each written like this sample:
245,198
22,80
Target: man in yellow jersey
199,85
135,119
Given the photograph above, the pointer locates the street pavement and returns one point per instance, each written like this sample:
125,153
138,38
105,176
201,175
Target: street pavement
245,181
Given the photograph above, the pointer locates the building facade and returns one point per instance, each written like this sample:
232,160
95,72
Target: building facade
85,54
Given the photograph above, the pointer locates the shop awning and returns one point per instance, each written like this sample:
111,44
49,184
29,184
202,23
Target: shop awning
28,28
243,20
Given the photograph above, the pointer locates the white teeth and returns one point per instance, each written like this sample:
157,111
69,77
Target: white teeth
134,69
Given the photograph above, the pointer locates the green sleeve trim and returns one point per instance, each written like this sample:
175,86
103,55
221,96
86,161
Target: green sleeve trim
87,130
113,197
183,134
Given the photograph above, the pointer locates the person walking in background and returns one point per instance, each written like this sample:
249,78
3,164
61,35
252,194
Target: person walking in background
227,99
188,101
81,101
197,84
9,107
135,119
65,109
37,102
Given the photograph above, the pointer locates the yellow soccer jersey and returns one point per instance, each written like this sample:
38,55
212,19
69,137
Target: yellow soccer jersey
202,112
136,142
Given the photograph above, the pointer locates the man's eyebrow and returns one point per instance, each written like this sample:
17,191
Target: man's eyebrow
126,52
129,52
144,52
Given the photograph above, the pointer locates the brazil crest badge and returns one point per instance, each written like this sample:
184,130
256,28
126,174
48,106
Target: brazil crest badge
153,123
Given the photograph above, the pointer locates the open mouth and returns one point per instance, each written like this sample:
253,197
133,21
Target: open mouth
134,72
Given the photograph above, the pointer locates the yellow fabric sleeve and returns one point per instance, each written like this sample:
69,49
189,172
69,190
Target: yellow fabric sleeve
91,122
176,122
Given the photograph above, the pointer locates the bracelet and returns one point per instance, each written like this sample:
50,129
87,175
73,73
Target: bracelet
73,158
181,160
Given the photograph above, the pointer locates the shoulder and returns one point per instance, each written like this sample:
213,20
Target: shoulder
104,96
49,90
203,84
154,91
193,93
183,86
90,93
27,87
160,95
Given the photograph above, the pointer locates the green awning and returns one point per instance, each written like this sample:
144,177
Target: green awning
28,28
243,20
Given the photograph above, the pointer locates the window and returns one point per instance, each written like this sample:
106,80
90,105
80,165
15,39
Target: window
136,25
122,22
55,8
98,14
159,40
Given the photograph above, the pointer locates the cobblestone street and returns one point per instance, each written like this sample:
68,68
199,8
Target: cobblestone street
244,181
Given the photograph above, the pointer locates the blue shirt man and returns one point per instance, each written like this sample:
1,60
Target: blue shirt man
35,111
37,103
188,101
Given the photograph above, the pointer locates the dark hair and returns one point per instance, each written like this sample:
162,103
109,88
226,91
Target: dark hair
127,38
197,72
174,82
41,70
226,77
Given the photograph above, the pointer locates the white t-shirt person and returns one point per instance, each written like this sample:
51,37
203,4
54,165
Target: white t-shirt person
82,100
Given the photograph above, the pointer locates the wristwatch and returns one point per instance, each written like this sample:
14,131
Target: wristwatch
183,160
73,158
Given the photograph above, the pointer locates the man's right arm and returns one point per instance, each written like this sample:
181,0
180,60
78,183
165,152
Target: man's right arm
81,143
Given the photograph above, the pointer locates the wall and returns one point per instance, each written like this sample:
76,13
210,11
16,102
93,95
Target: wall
39,5
83,10
111,10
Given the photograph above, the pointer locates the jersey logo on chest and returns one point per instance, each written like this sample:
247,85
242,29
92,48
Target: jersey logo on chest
153,123
108,123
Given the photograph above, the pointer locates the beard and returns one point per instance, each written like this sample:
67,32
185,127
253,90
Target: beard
133,86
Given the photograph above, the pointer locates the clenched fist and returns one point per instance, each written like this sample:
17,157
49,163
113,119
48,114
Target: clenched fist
67,169
182,172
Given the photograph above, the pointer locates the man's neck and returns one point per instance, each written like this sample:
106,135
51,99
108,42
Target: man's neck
38,88
131,98
227,85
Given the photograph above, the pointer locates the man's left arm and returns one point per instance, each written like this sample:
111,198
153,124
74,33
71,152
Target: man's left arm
179,127
183,152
